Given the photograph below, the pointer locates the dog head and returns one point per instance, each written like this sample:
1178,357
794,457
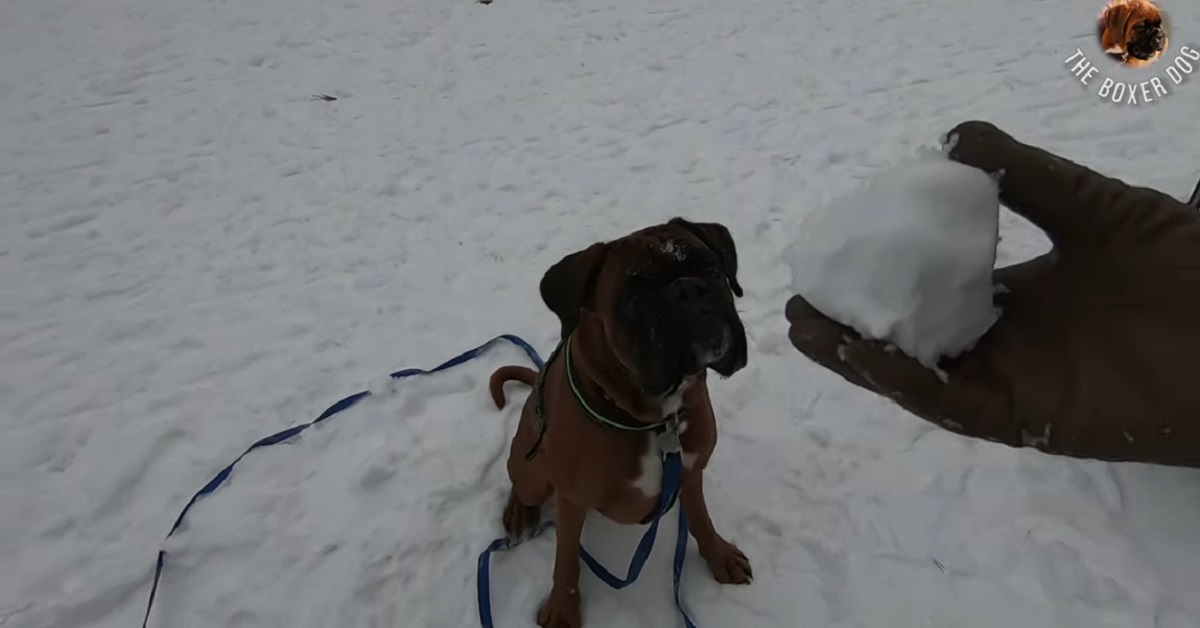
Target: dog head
1146,37
1137,27
664,296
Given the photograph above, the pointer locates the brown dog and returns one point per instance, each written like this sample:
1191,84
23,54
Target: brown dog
1132,31
643,318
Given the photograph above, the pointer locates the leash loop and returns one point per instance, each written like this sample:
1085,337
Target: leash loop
672,478
666,438
219,479
672,482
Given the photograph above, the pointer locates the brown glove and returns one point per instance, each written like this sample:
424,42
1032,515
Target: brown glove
1097,352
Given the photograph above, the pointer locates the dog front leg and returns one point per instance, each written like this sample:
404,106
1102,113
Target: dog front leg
561,609
729,565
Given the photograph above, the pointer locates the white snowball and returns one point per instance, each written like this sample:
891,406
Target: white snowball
908,258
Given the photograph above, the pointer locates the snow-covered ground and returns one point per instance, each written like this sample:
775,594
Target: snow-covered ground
195,253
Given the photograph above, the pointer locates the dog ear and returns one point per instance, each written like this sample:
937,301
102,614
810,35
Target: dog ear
567,284
1116,22
716,236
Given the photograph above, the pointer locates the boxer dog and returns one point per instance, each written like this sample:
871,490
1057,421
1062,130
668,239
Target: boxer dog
1133,32
643,319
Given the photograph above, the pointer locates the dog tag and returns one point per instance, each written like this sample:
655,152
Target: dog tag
669,443
668,440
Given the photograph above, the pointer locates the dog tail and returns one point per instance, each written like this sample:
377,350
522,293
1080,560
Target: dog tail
504,374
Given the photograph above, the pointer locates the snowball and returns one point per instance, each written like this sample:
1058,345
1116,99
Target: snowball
907,258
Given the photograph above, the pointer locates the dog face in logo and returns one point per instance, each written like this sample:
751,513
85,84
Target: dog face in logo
1133,31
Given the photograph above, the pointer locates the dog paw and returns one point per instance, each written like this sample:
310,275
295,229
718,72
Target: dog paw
561,610
519,519
728,564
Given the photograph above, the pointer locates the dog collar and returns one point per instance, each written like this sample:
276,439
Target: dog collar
667,431
623,424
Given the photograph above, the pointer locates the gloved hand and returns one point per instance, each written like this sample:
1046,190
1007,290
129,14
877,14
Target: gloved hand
1097,352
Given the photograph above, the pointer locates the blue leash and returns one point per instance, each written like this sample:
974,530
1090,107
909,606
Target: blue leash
672,477
672,474
291,432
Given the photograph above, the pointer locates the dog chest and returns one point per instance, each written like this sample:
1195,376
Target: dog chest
648,482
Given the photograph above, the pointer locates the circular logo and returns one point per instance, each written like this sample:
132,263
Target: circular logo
1133,32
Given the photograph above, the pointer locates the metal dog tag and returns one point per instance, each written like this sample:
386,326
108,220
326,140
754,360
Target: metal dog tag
669,443
668,440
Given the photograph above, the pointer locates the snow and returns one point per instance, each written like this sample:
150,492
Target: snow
194,254
906,258
673,250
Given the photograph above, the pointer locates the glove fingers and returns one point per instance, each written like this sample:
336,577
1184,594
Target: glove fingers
798,308
952,402
821,339
1041,186
866,363
893,374
1021,272
1070,202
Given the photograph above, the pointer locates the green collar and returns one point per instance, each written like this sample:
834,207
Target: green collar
624,424
667,430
